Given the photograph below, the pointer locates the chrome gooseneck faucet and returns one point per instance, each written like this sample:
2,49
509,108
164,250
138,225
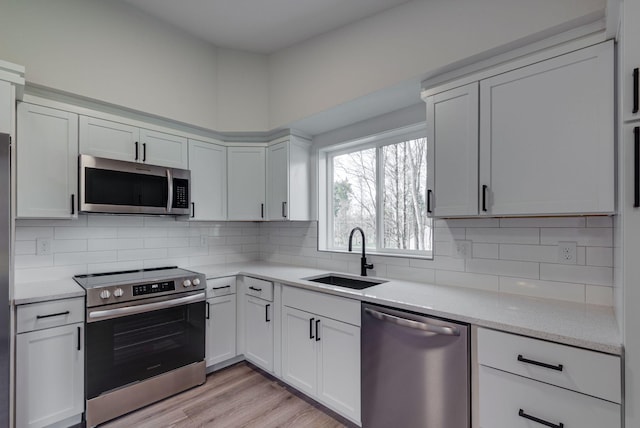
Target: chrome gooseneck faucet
363,260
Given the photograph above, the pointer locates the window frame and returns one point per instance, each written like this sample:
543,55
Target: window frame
326,188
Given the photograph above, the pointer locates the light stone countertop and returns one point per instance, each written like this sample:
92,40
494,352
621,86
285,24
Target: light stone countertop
586,326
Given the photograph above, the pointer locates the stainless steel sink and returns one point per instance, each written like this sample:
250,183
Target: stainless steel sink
354,282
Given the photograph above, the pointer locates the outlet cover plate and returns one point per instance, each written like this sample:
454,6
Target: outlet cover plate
567,253
461,249
43,246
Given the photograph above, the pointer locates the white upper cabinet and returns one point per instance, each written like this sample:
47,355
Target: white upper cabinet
545,144
631,60
208,165
113,140
546,136
246,183
288,172
47,158
452,152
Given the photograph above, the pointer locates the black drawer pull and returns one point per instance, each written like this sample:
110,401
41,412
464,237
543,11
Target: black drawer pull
208,315
559,367
636,89
220,288
136,143
255,288
144,152
261,210
311,336
317,332
636,167
522,414
266,313
484,197
79,344
429,193
59,314
73,204
284,209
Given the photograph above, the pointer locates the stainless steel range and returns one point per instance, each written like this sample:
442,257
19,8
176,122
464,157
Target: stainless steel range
145,338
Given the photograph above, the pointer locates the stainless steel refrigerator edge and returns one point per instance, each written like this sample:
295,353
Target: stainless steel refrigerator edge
5,259
415,370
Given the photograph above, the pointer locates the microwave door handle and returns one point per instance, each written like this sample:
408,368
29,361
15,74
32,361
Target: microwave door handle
169,190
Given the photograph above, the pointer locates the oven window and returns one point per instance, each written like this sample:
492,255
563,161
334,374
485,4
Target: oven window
109,187
136,347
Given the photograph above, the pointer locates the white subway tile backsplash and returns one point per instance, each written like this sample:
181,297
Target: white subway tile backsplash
143,254
448,234
532,253
411,274
543,222
586,237
48,273
504,236
600,221
68,245
84,232
442,262
548,289
114,266
24,247
468,280
469,222
115,244
33,261
504,267
485,251
31,233
600,256
97,220
85,257
593,275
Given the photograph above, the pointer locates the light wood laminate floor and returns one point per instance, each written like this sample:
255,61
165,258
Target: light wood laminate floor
238,396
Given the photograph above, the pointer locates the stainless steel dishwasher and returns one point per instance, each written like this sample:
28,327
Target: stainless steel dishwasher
415,370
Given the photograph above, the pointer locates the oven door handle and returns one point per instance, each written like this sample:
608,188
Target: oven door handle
138,309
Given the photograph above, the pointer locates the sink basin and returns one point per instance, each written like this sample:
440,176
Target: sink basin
356,283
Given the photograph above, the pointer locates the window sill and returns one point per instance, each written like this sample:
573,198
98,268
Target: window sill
421,255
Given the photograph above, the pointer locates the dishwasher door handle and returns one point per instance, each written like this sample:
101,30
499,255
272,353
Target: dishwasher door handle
403,322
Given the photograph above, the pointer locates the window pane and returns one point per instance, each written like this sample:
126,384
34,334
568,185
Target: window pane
354,197
406,226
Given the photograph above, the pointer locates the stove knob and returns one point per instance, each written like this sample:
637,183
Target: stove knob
118,292
105,294
196,281
186,283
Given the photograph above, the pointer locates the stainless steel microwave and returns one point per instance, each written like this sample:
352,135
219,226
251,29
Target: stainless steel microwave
119,187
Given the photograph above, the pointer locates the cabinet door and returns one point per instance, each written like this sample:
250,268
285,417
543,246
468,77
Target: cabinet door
631,60
50,375
6,107
221,329
246,183
278,181
546,140
47,162
452,152
299,353
158,148
208,165
259,332
339,367
112,140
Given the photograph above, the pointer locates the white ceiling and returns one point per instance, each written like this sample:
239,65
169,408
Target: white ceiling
261,26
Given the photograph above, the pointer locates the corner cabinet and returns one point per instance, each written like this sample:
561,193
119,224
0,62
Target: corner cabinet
288,180
246,183
113,140
545,144
208,165
47,153
50,363
321,348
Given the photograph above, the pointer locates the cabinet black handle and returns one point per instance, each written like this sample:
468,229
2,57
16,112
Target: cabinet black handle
58,314
261,210
636,89
429,192
522,414
311,336
73,204
144,152
255,288
136,143
266,313
636,167
522,359
284,209
484,197
317,331
79,332
193,209
220,288
208,315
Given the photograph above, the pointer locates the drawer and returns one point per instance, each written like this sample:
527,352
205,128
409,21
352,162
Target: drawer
36,316
503,395
337,308
259,288
589,372
221,286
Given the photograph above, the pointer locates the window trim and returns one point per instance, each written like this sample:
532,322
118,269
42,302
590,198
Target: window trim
325,189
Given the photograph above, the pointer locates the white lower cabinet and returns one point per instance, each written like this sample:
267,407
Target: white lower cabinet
258,324
525,382
321,355
50,374
221,329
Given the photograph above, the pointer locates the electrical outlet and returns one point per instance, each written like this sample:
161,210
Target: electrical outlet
567,253
43,246
203,240
461,249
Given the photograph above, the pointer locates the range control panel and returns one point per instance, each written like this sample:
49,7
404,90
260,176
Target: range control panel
157,287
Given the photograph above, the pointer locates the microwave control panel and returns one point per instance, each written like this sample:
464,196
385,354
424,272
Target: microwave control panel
180,193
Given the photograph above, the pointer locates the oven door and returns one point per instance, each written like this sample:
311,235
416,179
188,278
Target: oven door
129,343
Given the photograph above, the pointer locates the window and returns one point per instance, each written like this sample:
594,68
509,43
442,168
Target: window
380,186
